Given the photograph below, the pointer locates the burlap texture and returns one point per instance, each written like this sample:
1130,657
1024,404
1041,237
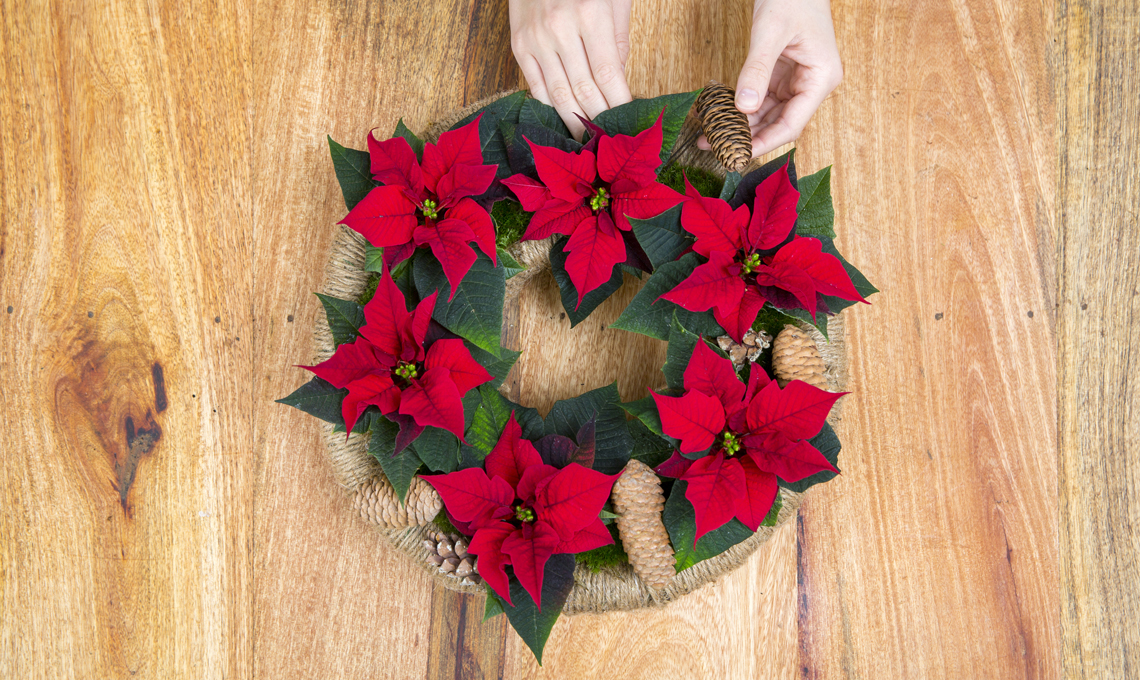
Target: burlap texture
613,588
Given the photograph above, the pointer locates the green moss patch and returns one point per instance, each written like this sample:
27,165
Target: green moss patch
673,176
605,556
369,289
510,222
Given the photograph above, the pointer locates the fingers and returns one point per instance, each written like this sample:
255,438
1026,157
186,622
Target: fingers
622,10
766,45
607,70
787,121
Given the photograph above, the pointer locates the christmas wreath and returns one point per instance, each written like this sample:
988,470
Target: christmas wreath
504,499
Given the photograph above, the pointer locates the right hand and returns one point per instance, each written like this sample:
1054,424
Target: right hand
572,54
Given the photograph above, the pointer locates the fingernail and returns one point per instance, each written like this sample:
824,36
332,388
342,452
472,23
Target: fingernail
747,99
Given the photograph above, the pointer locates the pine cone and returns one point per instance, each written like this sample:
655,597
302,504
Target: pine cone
725,127
795,357
754,344
449,554
377,502
639,501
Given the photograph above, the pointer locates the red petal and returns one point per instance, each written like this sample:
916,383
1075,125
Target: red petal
531,193
558,217
456,147
421,320
792,462
675,467
594,248
826,271
480,222
648,201
714,482
394,163
713,375
448,240
696,419
630,163
713,222
464,180
453,355
529,549
595,535
790,278
773,212
471,496
376,388
434,400
739,319
394,255
755,497
714,283
385,217
512,454
532,479
798,411
384,315
568,176
572,499
487,544
758,379
351,361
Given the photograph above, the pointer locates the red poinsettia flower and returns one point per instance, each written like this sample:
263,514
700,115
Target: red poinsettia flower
389,366
738,279
753,434
428,203
523,511
589,197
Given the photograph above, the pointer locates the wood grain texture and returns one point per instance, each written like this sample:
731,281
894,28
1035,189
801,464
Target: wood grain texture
1098,195
126,447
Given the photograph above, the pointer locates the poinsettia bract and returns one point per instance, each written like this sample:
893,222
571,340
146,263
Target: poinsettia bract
750,435
522,510
428,203
394,366
751,260
589,197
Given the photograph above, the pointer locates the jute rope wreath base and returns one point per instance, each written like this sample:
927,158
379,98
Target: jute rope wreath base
611,588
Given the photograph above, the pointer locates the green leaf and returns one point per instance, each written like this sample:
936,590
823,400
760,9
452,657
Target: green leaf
492,412
476,312
399,469
493,607
662,237
774,511
438,449
828,444
645,410
415,142
772,320
492,144
575,312
641,114
345,317
532,625
510,265
353,172
680,350
530,421
680,520
318,398
815,212
497,366
649,315
647,446
373,259
534,112
612,444
731,181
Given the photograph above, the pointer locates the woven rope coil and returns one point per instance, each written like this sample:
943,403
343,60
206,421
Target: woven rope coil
609,589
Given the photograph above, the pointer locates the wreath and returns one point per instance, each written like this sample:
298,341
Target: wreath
656,495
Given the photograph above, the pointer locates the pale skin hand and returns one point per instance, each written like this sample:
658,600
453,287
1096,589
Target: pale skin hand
572,54
794,61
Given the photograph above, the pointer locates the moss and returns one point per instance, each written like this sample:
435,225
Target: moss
702,180
770,519
510,222
445,524
369,288
605,556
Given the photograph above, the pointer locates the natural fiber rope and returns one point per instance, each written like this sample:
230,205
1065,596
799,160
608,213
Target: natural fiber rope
611,588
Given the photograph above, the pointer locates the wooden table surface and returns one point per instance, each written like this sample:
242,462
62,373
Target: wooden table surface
167,205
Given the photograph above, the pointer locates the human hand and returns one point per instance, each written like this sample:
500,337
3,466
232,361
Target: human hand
794,61
572,54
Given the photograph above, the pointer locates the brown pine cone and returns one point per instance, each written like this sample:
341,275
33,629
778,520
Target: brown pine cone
795,357
449,554
754,343
724,126
377,502
638,500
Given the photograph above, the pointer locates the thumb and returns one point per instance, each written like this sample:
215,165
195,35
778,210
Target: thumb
752,84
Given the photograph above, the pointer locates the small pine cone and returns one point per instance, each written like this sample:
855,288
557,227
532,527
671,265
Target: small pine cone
448,553
377,502
754,344
795,357
638,500
724,126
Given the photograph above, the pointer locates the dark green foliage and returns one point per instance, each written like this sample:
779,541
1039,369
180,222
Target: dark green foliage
649,315
532,625
510,265
415,142
815,212
662,237
398,469
438,449
746,190
353,172
504,110
648,448
345,317
641,114
774,512
612,444
476,311
510,222
318,398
